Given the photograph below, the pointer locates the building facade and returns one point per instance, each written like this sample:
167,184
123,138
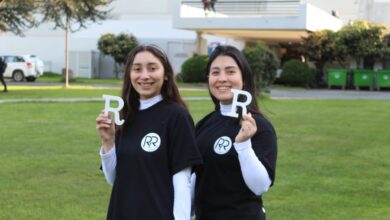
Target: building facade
182,29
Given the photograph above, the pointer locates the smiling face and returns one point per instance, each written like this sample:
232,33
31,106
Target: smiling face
224,75
147,75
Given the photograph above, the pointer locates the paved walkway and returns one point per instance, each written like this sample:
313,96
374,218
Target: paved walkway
329,94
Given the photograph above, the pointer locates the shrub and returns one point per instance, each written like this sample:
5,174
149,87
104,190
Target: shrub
194,69
296,73
264,64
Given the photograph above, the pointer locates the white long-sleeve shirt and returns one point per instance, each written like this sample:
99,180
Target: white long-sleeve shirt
253,171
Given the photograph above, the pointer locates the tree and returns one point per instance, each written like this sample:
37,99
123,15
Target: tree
263,63
320,47
118,47
71,16
361,40
386,46
16,15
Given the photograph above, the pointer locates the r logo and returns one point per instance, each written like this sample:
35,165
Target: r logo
222,145
150,142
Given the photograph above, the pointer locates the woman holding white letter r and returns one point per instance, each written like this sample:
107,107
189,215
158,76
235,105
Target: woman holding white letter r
148,160
239,151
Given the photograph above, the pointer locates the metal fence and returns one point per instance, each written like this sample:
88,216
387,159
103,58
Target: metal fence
251,8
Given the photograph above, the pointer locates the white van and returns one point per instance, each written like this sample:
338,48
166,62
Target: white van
20,68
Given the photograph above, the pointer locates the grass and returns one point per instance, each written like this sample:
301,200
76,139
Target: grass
332,163
56,78
18,92
77,91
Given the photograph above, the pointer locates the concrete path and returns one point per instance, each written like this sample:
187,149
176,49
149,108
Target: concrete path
329,94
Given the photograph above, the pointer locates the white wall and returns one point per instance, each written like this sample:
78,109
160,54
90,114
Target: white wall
50,49
375,11
146,19
141,8
322,19
346,9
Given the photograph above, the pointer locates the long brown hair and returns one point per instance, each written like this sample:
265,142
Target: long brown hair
247,75
130,96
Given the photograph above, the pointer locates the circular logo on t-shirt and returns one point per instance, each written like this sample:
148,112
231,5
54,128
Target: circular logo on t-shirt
222,145
150,142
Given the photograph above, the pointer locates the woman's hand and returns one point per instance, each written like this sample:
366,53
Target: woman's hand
106,128
248,128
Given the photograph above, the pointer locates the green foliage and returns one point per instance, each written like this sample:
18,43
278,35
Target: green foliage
73,14
194,69
117,46
263,63
386,48
360,40
296,73
17,15
320,47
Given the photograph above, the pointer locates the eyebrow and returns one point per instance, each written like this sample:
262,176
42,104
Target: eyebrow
148,64
227,67
231,67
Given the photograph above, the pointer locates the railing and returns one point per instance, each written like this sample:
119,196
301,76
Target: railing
238,8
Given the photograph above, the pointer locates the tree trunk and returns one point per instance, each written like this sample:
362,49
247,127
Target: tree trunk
116,69
67,55
319,74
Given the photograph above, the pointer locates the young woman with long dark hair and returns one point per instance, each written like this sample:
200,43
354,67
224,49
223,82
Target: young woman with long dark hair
149,158
239,154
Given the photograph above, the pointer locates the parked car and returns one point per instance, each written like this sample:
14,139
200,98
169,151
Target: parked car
20,68
39,66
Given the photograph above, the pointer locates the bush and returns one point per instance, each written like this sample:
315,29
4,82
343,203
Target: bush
296,73
194,69
263,63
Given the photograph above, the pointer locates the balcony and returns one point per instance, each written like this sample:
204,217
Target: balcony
271,21
243,9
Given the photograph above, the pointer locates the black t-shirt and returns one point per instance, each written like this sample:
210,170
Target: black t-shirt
3,66
157,144
221,193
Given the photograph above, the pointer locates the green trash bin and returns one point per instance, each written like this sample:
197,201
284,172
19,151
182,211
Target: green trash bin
363,78
382,79
337,77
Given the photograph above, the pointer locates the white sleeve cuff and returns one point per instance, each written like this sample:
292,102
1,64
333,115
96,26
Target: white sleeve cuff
110,153
182,194
109,164
242,145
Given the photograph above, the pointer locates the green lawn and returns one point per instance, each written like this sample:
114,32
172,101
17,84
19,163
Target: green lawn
333,158
56,78
78,91
52,77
